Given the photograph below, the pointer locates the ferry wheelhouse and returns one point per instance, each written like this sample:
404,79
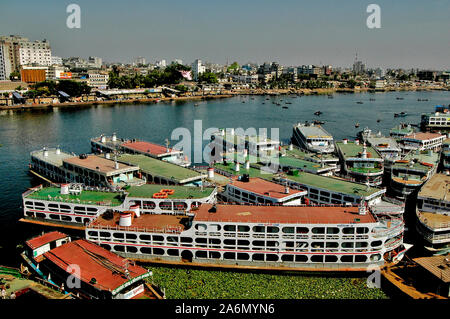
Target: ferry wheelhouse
410,173
75,205
88,169
101,273
249,190
387,147
360,163
437,121
422,141
313,138
445,156
401,131
323,164
266,237
433,214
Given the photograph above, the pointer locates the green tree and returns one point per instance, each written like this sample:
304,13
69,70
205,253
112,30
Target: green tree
208,77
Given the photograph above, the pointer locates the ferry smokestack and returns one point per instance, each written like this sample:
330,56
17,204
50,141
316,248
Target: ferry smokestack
114,137
45,152
211,172
116,165
286,190
58,150
247,165
136,210
291,147
237,168
107,156
103,139
64,189
125,218
231,131
344,141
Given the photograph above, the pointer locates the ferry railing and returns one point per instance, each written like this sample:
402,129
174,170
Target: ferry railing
32,190
436,237
425,221
166,230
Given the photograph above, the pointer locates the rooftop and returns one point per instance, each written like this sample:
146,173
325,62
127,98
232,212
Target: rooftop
157,167
295,152
418,160
237,139
402,130
85,197
157,223
107,268
282,214
52,157
437,187
264,188
109,141
333,184
252,171
351,149
423,136
100,164
313,131
434,220
45,239
383,143
439,266
181,192
149,148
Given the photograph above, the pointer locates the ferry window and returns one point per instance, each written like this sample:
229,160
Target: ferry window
271,257
317,258
201,254
186,240
244,194
52,216
66,218
130,236
158,251
78,219
118,235
272,229
105,234
91,209
301,258
348,230
288,244
336,196
229,242
145,237
200,226
214,241
260,243
93,233
149,204
317,244
242,228
324,199
158,238
287,258
229,228
237,192
146,250
243,256
258,257
302,230
347,245
261,200
318,230
200,240
214,227
53,205
314,191
131,249
272,243
243,242
39,205
229,255
375,257
31,214
214,254
252,197
324,193
332,230
348,199
331,259
173,252
172,239
258,229
361,244
312,196
332,245
288,230
79,208
106,246
360,258
362,230
119,248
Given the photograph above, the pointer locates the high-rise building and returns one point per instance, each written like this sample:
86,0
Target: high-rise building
5,62
161,64
36,52
95,62
177,61
139,61
197,69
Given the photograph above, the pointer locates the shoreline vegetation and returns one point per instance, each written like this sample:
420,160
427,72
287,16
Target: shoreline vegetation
207,96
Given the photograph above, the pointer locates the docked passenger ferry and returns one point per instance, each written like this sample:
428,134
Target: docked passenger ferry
310,238
313,138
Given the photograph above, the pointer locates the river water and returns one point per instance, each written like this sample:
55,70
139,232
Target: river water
21,133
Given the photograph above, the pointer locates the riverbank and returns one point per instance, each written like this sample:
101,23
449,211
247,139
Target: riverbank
208,96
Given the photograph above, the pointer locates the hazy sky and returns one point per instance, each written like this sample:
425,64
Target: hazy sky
413,33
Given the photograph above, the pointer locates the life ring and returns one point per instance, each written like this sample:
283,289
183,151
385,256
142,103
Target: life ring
159,195
167,191
426,164
307,201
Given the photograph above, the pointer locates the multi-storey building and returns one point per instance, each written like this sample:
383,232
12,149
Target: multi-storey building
37,52
197,69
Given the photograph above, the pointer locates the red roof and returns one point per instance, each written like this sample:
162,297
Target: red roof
423,136
83,253
264,188
282,214
146,147
45,239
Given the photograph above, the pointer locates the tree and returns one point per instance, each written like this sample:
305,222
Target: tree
233,67
208,77
181,88
14,76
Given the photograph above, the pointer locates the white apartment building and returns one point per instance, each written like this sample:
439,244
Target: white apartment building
197,69
37,52
95,62
98,80
161,64
5,64
56,60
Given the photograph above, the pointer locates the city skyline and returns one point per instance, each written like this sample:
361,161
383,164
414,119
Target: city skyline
291,33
